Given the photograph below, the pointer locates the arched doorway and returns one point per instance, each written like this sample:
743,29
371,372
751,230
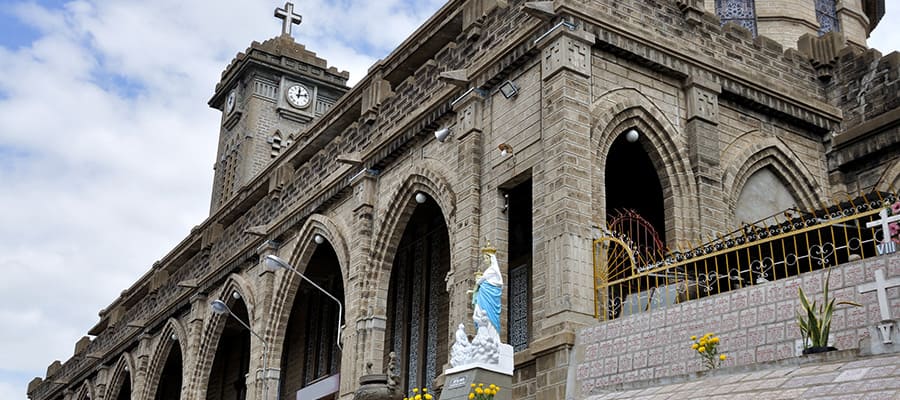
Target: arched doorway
228,376
633,189
418,303
170,379
311,353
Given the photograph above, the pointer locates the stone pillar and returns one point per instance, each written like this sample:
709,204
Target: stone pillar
265,376
563,275
366,325
141,363
199,310
853,20
703,145
467,249
785,23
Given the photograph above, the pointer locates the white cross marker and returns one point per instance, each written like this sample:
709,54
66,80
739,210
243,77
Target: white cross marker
880,288
288,18
884,222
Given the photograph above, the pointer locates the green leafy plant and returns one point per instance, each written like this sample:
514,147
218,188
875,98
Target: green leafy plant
815,319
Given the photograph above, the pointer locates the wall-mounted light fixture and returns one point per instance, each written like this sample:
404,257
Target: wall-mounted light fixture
173,337
442,134
632,135
235,295
319,239
509,89
505,149
219,307
274,263
421,198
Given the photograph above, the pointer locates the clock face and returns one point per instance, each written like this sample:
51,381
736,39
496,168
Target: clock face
298,96
229,102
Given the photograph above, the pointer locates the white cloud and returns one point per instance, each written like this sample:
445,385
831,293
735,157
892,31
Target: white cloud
106,144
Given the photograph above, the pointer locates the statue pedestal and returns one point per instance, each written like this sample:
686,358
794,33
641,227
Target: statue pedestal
459,380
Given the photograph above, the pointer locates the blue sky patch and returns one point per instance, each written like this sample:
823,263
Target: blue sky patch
14,33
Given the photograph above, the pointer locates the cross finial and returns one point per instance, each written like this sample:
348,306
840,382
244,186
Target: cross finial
287,17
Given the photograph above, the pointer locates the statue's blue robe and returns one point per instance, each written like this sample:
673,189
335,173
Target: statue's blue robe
488,297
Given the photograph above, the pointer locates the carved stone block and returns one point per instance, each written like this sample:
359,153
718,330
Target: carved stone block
566,50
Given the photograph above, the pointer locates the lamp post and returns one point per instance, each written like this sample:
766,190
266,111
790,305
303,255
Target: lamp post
273,263
219,308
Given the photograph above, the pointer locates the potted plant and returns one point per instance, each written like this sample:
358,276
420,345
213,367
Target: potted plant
815,320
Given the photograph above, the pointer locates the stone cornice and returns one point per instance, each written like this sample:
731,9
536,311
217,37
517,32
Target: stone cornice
865,139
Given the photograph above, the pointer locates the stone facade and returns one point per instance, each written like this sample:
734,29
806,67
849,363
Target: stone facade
713,105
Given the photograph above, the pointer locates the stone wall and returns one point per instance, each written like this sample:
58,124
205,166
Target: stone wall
755,324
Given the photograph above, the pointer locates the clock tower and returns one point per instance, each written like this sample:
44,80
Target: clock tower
268,95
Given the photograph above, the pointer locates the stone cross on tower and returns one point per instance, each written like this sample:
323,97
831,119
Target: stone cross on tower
288,18
880,288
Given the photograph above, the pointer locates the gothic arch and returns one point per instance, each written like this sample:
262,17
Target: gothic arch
287,286
85,391
890,179
214,325
617,111
425,179
161,350
116,380
757,152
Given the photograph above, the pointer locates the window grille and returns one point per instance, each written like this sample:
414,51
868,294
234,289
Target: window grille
742,12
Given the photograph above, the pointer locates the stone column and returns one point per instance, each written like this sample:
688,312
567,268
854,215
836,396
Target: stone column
563,275
786,23
703,146
265,291
366,325
199,310
466,251
853,20
141,363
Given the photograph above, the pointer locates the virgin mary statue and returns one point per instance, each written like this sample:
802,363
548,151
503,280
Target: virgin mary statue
488,288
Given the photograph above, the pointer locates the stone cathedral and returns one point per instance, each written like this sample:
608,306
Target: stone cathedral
667,127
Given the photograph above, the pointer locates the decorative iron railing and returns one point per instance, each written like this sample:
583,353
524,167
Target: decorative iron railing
628,281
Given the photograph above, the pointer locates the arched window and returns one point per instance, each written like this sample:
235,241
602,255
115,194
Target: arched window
826,13
742,12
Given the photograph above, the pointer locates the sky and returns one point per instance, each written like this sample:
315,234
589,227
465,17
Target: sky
107,144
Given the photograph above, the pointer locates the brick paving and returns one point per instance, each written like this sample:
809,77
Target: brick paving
851,377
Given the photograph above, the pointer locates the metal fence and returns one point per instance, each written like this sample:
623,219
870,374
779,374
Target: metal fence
629,281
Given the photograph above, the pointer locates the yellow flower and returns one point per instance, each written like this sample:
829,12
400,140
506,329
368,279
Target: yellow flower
493,386
418,397
424,390
715,339
428,396
701,349
480,385
471,395
709,334
415,390
722,357
695,346
479,390
694,337
472,385
703,343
